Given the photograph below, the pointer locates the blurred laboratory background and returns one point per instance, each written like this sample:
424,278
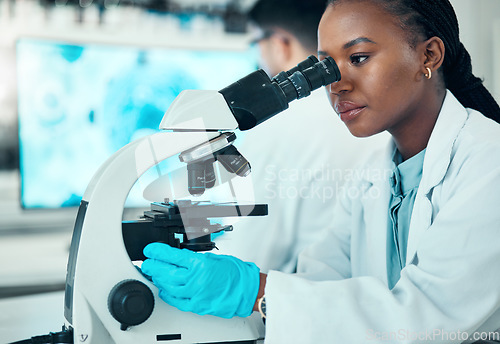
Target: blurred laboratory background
80,78
78,81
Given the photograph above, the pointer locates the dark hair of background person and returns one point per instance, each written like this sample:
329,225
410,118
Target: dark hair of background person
437,18
298,17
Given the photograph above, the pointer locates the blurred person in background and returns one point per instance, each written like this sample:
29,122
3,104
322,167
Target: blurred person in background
299,158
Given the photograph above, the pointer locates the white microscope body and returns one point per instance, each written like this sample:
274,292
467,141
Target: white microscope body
99,260
107,299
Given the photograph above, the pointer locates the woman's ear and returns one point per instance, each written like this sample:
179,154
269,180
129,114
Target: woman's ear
433,57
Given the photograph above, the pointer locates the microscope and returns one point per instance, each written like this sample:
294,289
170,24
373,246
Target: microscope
107,298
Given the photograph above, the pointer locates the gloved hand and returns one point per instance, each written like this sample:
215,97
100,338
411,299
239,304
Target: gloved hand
203,283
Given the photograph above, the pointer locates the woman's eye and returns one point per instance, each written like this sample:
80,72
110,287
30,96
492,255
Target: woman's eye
357,59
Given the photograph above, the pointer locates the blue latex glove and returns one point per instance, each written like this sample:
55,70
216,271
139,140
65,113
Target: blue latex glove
203,283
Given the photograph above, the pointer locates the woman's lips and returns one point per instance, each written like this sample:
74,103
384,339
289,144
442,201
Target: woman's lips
348,111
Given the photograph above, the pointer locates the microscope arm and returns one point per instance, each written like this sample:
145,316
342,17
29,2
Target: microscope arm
98,259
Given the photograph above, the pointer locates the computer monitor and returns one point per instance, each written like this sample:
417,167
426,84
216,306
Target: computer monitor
80,103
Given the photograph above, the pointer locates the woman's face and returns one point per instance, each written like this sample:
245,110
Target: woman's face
380,88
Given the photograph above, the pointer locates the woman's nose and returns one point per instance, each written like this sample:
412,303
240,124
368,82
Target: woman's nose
343,85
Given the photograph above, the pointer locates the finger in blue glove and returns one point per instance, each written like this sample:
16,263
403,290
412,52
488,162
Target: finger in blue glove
203,283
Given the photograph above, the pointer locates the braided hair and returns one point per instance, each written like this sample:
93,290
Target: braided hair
430,18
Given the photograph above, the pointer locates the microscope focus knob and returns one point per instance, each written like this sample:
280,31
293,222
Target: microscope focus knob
131,303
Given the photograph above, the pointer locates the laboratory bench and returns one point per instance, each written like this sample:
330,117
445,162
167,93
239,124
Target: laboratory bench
23,317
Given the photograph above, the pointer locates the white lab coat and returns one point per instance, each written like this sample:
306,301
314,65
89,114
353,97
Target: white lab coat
299,159
450,286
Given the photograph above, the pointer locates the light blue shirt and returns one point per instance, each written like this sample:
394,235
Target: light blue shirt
405,180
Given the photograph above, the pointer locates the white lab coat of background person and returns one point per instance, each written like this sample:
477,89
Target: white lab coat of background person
450,287
299,159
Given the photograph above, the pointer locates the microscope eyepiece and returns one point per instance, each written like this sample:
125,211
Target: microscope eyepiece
282,76
256,98
252,100
300,83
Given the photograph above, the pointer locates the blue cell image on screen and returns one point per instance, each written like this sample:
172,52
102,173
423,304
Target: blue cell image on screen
78,104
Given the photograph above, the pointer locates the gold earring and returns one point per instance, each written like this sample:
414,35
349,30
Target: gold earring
429,73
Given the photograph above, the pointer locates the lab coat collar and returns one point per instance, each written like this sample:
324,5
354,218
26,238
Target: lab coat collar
382,163
376,199
451,119
450,122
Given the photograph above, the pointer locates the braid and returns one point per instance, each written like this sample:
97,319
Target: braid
431,18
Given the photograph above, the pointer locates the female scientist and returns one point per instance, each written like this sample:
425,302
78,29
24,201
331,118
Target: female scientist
413,255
